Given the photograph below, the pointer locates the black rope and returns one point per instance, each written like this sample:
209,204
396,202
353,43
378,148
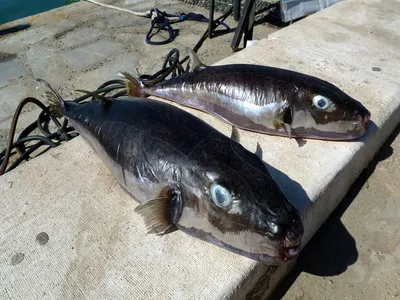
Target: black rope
51,139
161,20
171,66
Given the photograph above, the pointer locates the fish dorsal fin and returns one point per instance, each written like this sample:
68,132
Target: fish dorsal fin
235,134
161,213
259,151
194,61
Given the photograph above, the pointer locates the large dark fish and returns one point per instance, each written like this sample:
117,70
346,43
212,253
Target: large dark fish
188,176
263,99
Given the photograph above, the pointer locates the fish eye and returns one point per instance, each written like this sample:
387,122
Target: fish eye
321,102
220,195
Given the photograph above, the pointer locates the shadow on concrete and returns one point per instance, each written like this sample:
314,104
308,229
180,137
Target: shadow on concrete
332,249
292,189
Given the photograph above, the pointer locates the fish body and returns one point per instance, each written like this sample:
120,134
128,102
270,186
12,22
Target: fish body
264,99
186,175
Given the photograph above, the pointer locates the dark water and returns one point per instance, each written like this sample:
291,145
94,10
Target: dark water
11,10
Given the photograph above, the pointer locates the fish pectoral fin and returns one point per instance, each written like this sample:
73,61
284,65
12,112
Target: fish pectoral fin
133,87
283,119
194,61
161,214
259,151
155,215
235,134
288,130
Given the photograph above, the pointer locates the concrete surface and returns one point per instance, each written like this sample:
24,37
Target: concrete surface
326,180
97,247
356,253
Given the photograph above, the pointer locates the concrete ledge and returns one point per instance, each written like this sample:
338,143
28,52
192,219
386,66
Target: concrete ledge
97,247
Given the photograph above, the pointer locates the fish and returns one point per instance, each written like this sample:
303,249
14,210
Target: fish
262,99
186,175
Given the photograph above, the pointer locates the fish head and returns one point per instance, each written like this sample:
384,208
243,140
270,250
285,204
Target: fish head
246,214
325,110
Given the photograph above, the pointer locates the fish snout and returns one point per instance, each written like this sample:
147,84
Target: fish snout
291,248
291,244
364,118
362,122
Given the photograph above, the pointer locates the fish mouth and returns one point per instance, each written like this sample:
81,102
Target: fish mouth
363,121
290,250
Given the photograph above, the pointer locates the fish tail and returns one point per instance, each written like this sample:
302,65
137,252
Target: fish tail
57,104
133,87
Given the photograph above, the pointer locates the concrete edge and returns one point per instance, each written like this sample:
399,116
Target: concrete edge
327,203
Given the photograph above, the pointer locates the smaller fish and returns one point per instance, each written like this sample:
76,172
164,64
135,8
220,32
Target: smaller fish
188,176
263,99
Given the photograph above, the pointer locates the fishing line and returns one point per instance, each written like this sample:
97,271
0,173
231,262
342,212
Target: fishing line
175,66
